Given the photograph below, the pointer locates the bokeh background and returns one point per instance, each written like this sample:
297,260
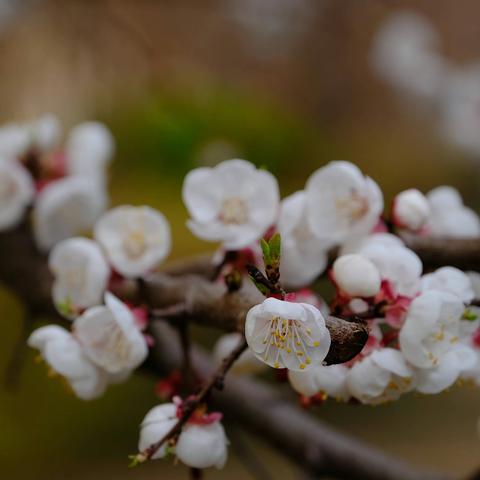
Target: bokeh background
286,84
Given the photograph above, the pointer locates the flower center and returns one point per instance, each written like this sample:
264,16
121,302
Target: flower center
291,337
75,278
354,207
135,244
234,211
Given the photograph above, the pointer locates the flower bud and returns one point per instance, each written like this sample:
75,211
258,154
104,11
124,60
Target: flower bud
203,446
356,276
410,209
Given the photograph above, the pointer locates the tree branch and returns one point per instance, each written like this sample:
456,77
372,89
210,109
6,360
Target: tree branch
268,412
189,406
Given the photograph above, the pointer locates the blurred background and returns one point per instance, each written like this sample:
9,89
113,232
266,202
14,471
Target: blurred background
286,84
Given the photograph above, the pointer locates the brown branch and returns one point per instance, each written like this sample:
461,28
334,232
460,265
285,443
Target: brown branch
435,252
191,404
266,410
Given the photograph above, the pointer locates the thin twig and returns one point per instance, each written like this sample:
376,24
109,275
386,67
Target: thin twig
190,405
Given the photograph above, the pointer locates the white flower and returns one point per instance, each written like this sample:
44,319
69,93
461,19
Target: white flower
81,275
459,105
331,379
110,337
233,202
65,208
474,278
65,357
40,135
246,363
304,256
156,424
355,245
396,263
89,149
14,140
451,365
449,217
404,52
342,202
16,193
381,377
431,328
44,132
356,276
451,280
135,239
287,335
203,446
411,209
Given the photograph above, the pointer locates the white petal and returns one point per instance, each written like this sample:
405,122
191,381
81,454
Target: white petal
89,149
135,239
66,208
16,193
203,446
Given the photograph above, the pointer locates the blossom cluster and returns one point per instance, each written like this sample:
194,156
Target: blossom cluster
406,53
423,335
65,190
65,185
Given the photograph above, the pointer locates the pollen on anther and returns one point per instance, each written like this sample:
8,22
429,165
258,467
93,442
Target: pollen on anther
302,366
316,344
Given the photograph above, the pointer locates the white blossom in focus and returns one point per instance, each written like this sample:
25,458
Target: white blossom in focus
342,202
64,355
304,255
456,361
356,276
411,209
381,377
246,363
81,275
110,336
156,424
234,202
331,380
16,193
451,280
203,446
449,216
135,239
89,149
66,208
287,335
405,54
399,265
431,329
